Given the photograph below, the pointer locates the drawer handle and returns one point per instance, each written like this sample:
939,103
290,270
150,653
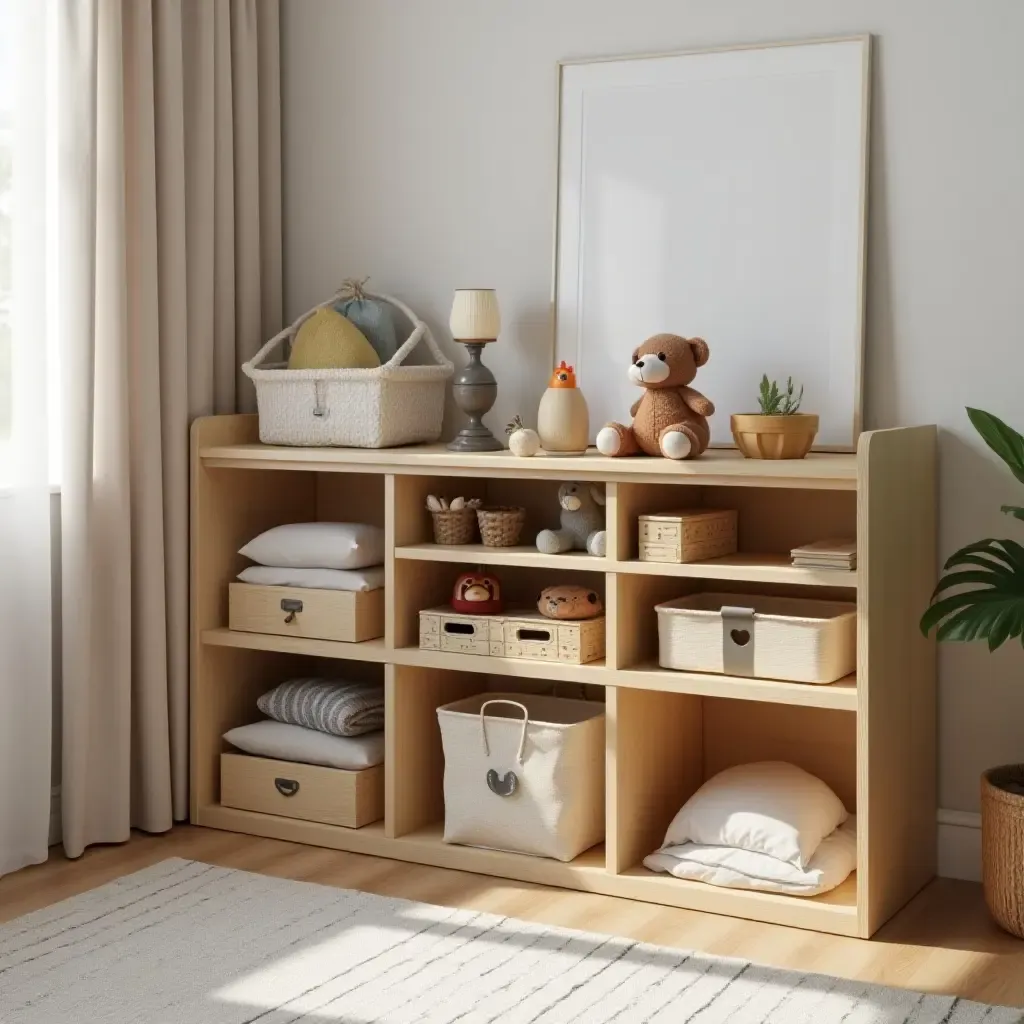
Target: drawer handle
286,787
292,606
502,785
462,628
541,635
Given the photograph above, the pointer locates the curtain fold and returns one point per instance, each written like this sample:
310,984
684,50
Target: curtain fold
170,250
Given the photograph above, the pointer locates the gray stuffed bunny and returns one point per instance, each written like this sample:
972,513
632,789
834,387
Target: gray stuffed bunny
582,520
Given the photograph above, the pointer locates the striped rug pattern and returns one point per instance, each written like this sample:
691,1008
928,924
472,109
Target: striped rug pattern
187,943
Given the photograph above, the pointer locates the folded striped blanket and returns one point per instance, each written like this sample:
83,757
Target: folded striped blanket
327,705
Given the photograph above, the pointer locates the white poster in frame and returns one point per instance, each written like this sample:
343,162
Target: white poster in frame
719,194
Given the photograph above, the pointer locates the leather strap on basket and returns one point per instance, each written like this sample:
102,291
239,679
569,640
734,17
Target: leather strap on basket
737,641
522,736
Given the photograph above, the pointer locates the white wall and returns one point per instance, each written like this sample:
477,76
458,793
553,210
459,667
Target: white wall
420,149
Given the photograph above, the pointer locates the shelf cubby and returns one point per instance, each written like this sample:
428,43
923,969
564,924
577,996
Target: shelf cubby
870,736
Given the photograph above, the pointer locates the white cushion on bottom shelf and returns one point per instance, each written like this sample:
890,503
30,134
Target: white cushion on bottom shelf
832,863
286,742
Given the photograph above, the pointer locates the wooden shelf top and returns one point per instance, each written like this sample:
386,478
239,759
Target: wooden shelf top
719,466
523,554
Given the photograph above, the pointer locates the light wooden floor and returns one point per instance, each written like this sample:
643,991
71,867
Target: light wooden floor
943,942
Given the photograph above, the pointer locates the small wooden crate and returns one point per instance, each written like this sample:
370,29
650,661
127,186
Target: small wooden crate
305,791
688,535
535,638
441,629
349,616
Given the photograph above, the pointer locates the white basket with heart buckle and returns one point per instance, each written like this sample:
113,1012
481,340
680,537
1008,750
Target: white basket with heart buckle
524,773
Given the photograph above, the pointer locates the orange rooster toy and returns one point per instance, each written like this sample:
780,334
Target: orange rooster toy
563,421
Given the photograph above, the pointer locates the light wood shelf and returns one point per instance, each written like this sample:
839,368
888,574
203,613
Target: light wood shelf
870,736
745,569
479,554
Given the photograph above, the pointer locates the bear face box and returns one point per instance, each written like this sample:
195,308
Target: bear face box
569,602
477,593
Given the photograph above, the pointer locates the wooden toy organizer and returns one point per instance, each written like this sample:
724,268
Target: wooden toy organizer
870,736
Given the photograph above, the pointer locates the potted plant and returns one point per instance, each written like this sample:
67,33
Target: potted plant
779,430
980,596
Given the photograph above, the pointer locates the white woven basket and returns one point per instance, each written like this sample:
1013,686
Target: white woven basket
797,639
383,407
530,779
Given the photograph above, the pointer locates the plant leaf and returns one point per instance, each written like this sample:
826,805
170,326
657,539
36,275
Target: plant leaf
991,607
1013,510
1001,438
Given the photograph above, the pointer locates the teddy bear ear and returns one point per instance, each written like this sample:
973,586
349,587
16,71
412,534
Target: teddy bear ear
701,352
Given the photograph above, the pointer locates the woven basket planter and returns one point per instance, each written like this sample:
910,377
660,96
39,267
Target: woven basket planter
1002,845
455,527
383,407
500,526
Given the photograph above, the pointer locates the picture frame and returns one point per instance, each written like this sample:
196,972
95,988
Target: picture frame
718,193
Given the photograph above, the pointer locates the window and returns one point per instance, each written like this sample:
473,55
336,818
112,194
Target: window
6,144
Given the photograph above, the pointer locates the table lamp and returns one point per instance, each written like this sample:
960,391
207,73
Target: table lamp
475,321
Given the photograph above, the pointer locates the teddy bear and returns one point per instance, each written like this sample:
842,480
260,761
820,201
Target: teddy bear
669,418
581,520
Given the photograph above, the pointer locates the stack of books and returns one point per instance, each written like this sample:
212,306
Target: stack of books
826,554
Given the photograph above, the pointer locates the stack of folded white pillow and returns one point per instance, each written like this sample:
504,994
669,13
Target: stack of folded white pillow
769,826
323,556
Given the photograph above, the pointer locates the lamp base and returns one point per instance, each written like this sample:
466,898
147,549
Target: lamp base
474,390
475,439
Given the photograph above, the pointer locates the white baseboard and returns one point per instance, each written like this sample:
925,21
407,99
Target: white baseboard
960,845
55,825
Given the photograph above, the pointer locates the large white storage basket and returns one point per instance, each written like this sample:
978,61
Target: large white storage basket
804,641
389,405
524,773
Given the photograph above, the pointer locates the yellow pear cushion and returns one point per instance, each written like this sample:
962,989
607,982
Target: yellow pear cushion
329,341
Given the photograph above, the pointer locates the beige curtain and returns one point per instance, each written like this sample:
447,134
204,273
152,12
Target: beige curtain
170,263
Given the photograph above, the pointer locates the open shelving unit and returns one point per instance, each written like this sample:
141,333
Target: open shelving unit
871,736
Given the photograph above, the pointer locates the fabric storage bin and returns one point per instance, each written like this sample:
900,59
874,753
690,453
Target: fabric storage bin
524,773
796,639
383,407
347,615
306,791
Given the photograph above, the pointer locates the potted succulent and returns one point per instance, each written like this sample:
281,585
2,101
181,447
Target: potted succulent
980,596
779,430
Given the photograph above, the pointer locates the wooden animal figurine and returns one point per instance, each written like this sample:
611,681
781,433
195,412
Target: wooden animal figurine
569,602
582,522
563,421
477,593
670,417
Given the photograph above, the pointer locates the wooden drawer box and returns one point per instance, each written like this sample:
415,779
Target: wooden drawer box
307,791
536,638
689,535
349,616
441,629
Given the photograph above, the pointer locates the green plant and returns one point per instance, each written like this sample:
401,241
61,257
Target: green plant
774,402
986,578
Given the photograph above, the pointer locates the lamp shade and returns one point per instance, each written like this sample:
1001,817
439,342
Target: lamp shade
475,315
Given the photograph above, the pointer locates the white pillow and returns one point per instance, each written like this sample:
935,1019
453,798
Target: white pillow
307,746
317,579
830,866
769,807
318,546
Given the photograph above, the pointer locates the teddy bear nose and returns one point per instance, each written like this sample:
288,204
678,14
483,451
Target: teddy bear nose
639,363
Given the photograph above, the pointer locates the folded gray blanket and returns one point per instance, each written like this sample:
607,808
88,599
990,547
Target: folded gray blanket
327,705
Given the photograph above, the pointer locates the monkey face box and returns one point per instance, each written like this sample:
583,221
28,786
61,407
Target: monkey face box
477,593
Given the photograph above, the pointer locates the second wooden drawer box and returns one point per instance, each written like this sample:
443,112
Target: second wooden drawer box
349,616
307,791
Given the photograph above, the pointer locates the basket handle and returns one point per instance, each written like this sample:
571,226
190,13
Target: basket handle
420,332
483,725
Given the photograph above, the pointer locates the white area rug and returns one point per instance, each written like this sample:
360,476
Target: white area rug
187,943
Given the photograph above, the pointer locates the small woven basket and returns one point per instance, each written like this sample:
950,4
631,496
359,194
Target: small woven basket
500,526
1002,845
455,527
